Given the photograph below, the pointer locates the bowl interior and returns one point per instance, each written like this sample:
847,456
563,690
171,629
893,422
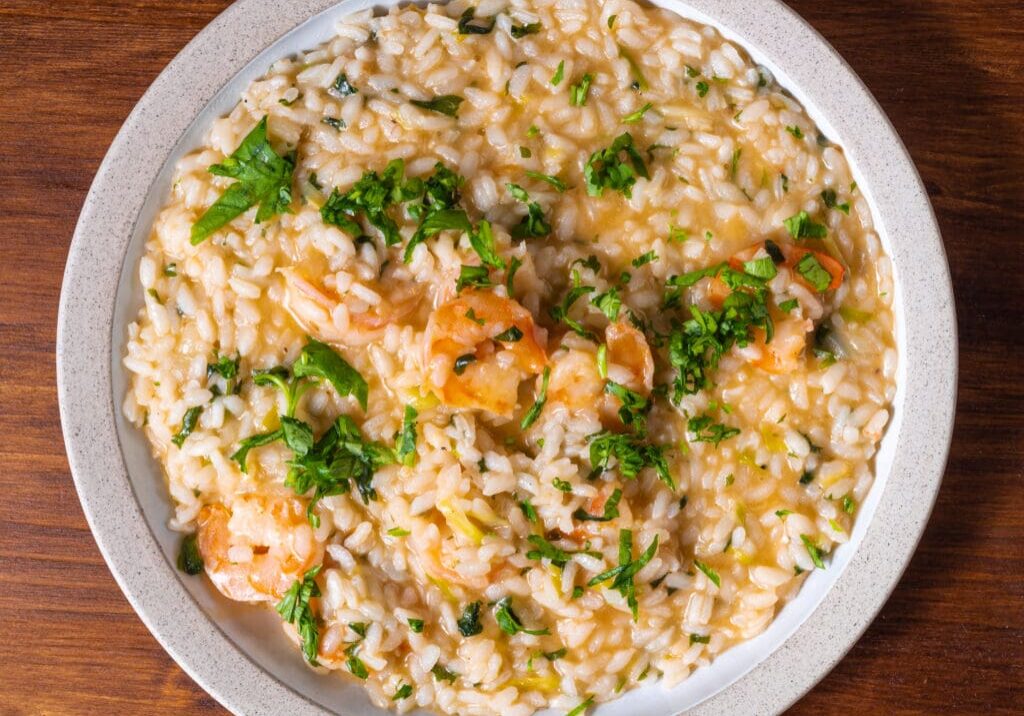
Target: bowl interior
256,632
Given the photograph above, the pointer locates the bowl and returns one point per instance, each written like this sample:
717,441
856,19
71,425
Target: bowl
237,653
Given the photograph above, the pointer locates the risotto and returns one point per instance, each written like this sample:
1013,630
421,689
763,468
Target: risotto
516,353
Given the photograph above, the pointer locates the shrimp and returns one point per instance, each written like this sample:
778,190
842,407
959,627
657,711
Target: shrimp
333,319
256,549
465,330
576,382
785,352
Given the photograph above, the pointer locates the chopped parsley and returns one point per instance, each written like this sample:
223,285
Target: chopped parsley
578,92
635,406
708,572
558,184
319,360
561,485
405,451
476,276
528,510
795,131
800,226
609,303
482,241
342,87
828,196
469,623
542,549
404,691
699,639
188,424
533,224
581,709
415,625
606,169
509,623
561,311
762,268
442,674
355,665
466,26
703,88
849,506
705,430
630,453
555,655
264,178
538,405
189,559
447,104
171,270
622,575
512,335
372,196
398,532
294,608
816,275
644,259
638,115
813,550
611,510
520,31
334,123
556,79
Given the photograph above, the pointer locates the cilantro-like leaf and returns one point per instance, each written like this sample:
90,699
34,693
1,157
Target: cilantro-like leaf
556,79
188,424
817,275
482,241
705,430
406,450
533,224
416,625
469,623
813,550
605,169
264,178
319,360
477,276
800,226
521,31
509,623
609,303
447,104
294,607
708,572
189,559
538,405
466,26
622,575
763,268
631,455
559,185
634,117
443,674
342,87
578,92
828,196
635,407
611,510
403,692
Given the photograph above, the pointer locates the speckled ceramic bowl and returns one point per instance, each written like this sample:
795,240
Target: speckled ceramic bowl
239,654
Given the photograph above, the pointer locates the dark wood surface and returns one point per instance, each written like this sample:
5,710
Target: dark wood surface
949,73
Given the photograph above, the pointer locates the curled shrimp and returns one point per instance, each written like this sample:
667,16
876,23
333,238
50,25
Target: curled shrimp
256,549
467,366
334,319
576,381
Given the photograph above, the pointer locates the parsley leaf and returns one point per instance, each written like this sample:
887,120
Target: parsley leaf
828,196
435,223
533,224
800,226
605,169
482,241
644,259
416,625
705,430
611,510
635,407
561,311
319,360
708,572
188,424
609,303
442,674
622,576
811,269
445,104
295,609
372,196
636,116
403,692
512,335
342,87
538,405
813,550
466,27
556,79
189,559
631,455
578,93
264,178
477,276
405,452
469,623
509,623
554,181
520,31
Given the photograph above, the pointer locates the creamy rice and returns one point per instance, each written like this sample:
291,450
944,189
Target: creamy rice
746,481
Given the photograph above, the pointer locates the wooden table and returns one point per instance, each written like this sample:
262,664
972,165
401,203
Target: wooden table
950,75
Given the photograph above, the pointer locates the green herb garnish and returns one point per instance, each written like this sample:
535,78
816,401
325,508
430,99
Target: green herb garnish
406,448
469,623
578,92
538,405
622,575
447,104
189,559
611,510
188,424
800,226
509,623
294,607
708,572
605,169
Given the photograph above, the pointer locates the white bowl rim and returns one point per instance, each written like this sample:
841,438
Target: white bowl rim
919,437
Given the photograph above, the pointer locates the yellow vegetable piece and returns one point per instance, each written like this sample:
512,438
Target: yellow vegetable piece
459,521
546,684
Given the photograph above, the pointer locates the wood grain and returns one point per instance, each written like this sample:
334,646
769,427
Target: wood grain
950,74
